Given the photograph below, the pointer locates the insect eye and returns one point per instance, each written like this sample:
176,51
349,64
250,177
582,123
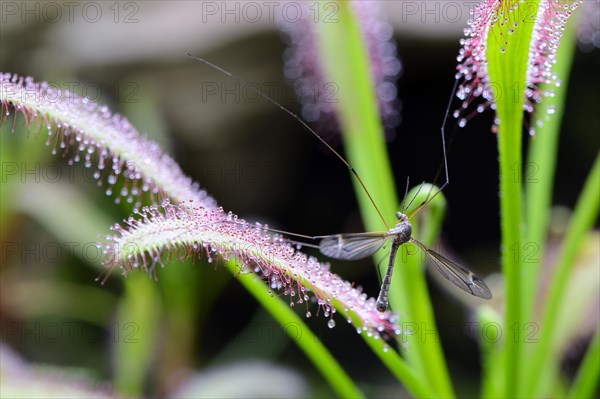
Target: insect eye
399,215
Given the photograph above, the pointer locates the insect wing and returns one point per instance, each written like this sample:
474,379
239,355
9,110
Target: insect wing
457,274
351,246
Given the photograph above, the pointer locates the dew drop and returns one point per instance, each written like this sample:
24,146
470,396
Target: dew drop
308,314
462,122
331,323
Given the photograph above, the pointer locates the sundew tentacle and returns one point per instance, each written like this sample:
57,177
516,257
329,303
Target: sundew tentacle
498,19
157,233
86,132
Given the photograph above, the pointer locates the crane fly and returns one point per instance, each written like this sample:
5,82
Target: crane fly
356,246
361,245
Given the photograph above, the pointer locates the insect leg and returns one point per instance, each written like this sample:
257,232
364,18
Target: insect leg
382,299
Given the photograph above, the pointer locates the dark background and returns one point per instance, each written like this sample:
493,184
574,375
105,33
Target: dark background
310,191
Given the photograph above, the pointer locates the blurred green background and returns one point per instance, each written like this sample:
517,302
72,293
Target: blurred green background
197,329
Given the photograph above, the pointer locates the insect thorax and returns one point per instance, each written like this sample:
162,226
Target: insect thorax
403,229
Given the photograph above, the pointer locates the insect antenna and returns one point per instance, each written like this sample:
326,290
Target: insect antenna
444,164
402,208
414,197
304,124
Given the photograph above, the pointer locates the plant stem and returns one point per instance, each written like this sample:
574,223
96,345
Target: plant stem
345,61
541,166
509,147
539,178
507,56
425,340
312,347
491,358
401,370
136,333
586,212
586,381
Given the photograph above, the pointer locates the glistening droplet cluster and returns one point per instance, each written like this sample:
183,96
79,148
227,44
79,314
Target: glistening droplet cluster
158,233
83,131
498,20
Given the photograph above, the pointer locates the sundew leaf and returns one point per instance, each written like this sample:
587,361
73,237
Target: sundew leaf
160,232
508,55
83,131
87,132
509,50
